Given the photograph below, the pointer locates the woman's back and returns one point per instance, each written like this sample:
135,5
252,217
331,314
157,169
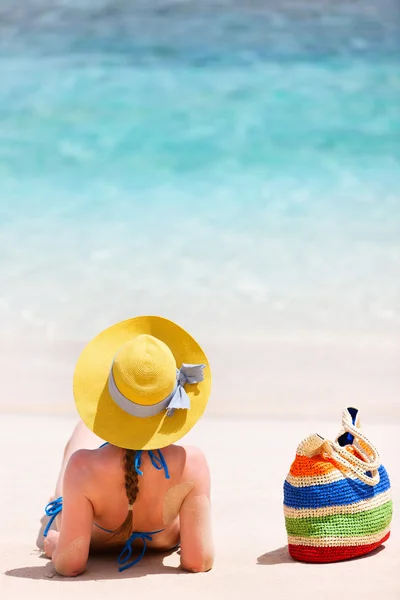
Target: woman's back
172,501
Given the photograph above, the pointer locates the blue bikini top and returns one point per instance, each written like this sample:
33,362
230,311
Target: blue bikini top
54,507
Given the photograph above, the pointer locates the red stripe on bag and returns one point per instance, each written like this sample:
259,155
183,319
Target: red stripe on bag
315,554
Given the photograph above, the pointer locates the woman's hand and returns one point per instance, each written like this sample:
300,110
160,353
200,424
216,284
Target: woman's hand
50,543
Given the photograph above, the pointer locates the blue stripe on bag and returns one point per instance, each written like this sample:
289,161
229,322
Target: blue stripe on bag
338,493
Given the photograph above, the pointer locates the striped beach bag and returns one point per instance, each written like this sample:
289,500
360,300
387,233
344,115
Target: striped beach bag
337,501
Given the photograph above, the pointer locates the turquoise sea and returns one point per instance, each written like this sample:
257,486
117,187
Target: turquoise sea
232,165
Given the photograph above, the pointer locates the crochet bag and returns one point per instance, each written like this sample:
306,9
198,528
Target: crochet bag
337,500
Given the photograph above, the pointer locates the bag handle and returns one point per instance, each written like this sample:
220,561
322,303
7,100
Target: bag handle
352,463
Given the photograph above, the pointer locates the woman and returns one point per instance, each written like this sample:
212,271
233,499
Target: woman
139,387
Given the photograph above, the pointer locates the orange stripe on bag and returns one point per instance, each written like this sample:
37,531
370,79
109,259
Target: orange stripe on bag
307,467
303,466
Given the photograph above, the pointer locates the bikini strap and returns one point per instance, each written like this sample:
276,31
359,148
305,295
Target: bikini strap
145,536
158,462
52,509
156,457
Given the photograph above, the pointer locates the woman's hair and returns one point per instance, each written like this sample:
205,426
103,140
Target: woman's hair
132,490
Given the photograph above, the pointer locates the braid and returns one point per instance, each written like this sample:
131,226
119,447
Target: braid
131,476
131,489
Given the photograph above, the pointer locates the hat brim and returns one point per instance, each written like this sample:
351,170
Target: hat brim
105,418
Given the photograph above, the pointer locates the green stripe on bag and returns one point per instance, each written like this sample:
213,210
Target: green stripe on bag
345,525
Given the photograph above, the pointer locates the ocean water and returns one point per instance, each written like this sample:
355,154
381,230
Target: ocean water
231,165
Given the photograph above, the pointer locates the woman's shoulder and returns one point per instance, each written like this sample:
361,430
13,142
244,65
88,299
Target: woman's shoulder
188,452
192,458
89,465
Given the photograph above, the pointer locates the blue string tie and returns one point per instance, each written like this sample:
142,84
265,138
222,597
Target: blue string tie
158,462
145,536
52,509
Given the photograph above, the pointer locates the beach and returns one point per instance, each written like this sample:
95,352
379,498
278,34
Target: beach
231,166
250,538
250,433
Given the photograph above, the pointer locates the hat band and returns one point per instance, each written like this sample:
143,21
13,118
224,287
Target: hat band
177,399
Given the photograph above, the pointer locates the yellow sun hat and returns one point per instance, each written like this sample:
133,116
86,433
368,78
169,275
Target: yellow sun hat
142,384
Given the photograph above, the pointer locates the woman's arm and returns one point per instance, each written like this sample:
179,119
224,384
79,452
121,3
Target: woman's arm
197,549
69,550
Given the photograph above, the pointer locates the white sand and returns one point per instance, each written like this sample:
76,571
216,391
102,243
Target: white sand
286,377
249,461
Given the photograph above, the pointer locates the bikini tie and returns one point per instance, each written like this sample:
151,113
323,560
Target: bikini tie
126,553
158,462
52,509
